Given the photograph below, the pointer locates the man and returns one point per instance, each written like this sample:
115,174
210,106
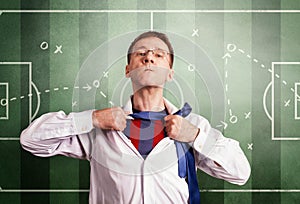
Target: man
135,159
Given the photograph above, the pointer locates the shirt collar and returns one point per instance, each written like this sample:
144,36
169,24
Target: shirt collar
169,106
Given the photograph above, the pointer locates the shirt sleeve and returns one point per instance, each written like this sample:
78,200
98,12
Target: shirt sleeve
57,133
219,156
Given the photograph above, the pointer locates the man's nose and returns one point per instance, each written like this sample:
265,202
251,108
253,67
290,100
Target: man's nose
149,58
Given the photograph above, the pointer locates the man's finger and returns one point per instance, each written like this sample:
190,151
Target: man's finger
169,117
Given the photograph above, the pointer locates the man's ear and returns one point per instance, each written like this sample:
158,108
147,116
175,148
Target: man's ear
170,75
127,72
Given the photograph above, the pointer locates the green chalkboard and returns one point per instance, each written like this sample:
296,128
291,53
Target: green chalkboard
237,63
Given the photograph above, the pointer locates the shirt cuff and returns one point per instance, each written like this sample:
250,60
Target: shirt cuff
83,122
199,142
206,141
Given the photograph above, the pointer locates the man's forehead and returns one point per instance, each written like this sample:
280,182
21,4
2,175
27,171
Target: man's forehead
150,43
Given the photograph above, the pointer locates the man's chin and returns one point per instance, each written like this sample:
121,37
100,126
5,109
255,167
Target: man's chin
147,86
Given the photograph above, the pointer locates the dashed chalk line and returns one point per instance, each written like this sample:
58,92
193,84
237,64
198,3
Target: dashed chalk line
257,61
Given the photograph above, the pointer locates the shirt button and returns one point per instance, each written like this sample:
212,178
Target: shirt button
200,147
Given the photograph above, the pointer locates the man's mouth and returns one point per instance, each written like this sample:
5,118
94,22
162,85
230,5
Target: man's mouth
148,69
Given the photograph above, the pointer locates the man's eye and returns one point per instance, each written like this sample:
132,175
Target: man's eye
141,54
159,54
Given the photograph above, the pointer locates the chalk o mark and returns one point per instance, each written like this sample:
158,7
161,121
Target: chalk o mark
96,83
231,47
3,102
191,67
44,45
233,119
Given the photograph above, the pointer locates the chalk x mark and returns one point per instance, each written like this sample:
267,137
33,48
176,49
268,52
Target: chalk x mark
105,74
287,103
58,49
247,115
74,103
195,33
250,146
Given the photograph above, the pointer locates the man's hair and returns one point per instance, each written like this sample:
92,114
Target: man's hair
149,34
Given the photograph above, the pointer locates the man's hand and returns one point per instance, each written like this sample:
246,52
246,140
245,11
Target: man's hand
110,119
180,129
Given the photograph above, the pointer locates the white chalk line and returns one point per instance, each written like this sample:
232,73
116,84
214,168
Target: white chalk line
45,91
43,191
252,190
149,11
202,190
9,138
151,20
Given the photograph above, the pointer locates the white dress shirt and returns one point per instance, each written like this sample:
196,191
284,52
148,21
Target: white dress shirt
119,174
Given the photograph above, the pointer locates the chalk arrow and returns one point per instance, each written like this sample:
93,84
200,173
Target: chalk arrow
226,56
225,124
87,87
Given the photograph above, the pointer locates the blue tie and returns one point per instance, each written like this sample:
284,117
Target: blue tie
186,160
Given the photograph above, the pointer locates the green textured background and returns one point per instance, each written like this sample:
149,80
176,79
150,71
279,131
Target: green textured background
258,38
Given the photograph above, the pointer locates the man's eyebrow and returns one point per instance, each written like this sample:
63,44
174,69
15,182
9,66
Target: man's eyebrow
141,47
144,47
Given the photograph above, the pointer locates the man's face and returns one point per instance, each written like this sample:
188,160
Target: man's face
149,63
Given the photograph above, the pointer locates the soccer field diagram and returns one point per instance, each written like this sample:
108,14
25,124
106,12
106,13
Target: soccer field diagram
239,68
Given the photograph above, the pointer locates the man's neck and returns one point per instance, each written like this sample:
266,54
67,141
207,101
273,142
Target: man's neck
149,99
